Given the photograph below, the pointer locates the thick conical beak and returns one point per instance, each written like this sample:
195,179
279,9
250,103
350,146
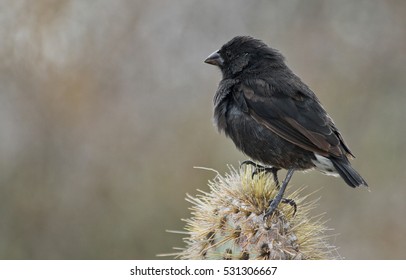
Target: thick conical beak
215,59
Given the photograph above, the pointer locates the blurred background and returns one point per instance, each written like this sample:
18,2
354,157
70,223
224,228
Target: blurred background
106,107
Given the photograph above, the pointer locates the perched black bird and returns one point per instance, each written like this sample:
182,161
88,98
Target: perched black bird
273,117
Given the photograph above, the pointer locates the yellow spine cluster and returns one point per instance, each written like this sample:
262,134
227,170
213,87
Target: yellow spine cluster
228,222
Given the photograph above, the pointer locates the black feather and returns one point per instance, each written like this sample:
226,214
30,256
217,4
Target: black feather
271,115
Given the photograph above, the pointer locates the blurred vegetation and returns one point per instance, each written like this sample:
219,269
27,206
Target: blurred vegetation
105,107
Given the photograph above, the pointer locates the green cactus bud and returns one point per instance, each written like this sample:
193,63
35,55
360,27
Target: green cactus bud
228,222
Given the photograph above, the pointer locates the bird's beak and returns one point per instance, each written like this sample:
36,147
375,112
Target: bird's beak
215,59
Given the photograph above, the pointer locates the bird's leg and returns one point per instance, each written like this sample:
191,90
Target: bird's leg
260,168
279,197
274,172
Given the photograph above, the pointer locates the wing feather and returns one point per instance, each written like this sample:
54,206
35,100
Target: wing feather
295,115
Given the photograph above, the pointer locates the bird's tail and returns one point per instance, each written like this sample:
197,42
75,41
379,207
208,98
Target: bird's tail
350,176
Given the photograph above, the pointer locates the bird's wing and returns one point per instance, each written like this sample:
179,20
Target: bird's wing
295,115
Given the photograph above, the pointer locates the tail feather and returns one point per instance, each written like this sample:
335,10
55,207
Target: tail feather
349,175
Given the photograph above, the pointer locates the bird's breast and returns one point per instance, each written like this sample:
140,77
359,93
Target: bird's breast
257,141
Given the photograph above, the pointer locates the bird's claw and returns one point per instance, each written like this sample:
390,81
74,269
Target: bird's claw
260,169
273,205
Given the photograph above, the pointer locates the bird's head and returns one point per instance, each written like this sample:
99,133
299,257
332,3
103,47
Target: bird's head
240,53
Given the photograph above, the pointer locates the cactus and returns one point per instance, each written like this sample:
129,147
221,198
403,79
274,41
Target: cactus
228,222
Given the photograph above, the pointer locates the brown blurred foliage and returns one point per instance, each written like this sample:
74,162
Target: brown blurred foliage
105,107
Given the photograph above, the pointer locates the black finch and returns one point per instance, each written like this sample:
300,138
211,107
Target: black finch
273,117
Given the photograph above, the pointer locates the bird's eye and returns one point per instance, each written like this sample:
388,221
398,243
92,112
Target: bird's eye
228,54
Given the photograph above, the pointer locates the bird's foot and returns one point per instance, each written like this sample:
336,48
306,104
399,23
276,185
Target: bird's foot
292,203
262,169
273,205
